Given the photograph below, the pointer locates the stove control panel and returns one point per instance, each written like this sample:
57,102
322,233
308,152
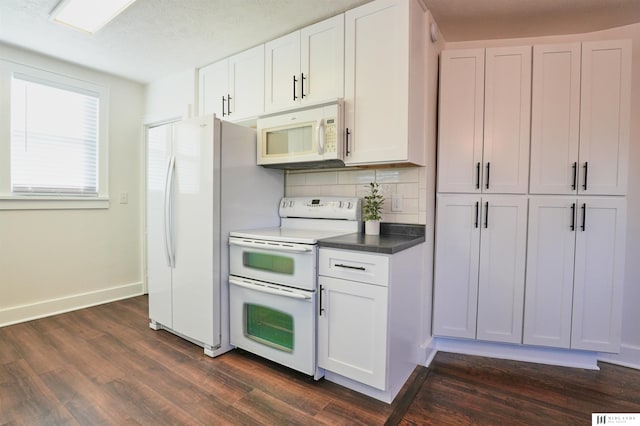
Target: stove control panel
346,208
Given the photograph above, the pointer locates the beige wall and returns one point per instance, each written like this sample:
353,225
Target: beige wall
631,314
58,260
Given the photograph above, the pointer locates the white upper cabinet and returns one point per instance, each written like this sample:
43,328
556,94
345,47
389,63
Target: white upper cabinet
322,60
282,72
605,117
461,120
485,101
246,84
555,119
306,66
213,88
507,106
233,88
580,118
384,83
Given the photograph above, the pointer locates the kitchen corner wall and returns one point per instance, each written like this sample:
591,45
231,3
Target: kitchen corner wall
409,183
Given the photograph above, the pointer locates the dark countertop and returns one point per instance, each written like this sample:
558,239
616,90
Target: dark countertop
394,237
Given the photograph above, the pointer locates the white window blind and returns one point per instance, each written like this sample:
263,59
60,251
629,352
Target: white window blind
54,138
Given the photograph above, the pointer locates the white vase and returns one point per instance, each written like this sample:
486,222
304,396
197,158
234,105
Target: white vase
372,227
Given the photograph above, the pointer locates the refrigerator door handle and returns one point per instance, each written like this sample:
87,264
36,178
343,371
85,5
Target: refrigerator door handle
168,212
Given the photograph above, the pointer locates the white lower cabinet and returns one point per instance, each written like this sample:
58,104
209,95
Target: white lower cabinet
369,318
352,329
575,272
479,267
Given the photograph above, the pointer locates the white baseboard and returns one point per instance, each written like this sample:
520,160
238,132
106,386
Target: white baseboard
61,305
430,349
629,356
539,355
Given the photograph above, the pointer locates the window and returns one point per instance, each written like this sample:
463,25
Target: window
54,138
55,151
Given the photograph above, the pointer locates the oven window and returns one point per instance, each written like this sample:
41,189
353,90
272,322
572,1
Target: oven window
269,326
290,141
268,262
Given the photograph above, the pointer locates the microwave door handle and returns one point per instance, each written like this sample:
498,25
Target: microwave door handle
273,247
265,289
320,136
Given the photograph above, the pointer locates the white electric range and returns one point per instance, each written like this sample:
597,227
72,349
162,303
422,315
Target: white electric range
273,279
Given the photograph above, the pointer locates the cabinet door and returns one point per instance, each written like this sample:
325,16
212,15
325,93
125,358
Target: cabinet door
461,115
282,72
599,270
352,330
605,117
507,106
549,280
502,266
213,87
377,82
322,60
456,265
246,84
555,119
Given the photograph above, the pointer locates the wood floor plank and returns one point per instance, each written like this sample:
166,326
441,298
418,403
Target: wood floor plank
82,397
267,409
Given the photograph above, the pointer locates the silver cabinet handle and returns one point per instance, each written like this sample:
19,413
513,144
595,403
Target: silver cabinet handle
359,268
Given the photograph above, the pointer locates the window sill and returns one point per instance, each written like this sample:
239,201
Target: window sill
52,203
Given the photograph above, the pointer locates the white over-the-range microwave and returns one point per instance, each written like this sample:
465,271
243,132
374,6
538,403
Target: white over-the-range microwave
303,138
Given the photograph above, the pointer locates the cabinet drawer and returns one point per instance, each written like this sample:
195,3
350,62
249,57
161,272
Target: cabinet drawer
354,266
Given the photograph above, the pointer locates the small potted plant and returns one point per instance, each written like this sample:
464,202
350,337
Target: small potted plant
372,209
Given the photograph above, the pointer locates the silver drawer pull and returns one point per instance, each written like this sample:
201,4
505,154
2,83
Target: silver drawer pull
359,268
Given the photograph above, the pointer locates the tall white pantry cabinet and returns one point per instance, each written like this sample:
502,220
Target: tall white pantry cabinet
561,214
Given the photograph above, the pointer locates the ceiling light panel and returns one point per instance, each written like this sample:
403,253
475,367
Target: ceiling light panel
88,15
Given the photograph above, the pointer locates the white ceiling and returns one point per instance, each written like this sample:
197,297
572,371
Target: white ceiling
154,38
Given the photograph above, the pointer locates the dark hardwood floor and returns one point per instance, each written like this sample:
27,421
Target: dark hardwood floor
467,390
104,366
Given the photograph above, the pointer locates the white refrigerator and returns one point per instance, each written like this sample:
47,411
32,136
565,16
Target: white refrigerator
202,182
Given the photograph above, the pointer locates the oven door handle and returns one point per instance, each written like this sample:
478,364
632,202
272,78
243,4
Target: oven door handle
271,246
264,289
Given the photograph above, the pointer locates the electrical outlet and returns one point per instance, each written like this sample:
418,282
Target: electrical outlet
124,198
396,203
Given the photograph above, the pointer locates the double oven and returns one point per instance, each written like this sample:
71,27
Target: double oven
273,279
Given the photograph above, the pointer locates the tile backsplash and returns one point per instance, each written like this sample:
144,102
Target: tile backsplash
409,183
